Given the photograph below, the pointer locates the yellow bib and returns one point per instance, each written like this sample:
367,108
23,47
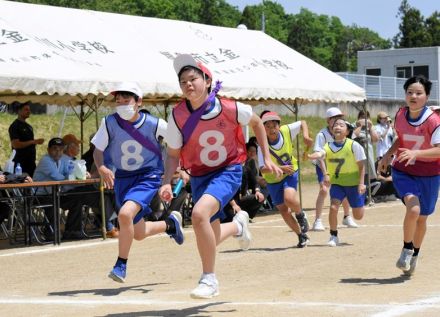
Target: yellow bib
342,165
285,153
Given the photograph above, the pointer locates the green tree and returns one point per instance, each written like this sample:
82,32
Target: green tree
433,28
219,12
274,16
412,30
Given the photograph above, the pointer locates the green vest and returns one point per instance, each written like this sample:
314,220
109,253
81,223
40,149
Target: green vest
285,153
342,165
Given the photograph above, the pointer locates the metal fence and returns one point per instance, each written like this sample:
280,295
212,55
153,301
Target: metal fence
388,88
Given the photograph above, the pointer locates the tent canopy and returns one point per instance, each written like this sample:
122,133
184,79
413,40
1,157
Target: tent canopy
65,56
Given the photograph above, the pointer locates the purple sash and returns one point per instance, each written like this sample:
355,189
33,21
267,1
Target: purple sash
130,129
193,120
279,159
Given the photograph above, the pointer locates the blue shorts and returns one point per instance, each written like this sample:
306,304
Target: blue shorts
276,190
424,187
222,185
319,175
355,199
140,189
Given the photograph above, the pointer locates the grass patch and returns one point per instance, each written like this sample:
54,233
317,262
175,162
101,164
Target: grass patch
47,127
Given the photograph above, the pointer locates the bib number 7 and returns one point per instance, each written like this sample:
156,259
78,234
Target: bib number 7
339,162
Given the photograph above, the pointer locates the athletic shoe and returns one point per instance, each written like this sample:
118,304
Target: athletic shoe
303,240
303,222
404,261
412,266
178,235
318,226
349,222
242,219
119,272
333,241
205,289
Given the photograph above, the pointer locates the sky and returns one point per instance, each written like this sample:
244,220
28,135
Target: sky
377,15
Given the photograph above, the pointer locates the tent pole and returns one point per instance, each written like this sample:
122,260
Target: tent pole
367,133
296,109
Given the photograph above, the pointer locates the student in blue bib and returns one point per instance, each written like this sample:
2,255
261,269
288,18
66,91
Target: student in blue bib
344,169
129,139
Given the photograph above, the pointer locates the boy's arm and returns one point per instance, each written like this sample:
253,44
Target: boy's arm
171,164
308,141
107,175
260,133
382,165
361,187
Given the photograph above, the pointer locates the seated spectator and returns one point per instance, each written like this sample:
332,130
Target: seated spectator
248,198
71,151
88,156
52,168
382,188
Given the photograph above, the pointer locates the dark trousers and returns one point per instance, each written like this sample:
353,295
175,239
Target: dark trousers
248,203
73,200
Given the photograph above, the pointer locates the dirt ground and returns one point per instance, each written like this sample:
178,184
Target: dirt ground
273,278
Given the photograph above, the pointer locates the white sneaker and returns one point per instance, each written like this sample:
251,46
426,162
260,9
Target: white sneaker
333,241
205,289
349,222
412,266
404,261
244,240
318,226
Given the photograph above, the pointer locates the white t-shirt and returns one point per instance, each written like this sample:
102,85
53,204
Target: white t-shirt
385,142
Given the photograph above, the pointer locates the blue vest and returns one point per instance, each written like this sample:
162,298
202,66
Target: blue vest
129,156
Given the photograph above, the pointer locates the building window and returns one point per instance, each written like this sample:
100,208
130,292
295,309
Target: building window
421,70
371,74
408,71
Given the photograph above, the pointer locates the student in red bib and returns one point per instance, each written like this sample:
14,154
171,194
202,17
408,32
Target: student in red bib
205,134
416,168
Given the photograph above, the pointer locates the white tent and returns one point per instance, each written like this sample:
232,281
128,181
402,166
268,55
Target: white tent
59,55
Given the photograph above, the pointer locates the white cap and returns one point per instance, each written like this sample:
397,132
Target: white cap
128,86
333,112
183,60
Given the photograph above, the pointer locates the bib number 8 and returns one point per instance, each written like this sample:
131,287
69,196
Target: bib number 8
131,155
205,155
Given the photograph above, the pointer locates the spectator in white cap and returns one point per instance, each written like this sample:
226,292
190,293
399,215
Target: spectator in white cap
325,135
205,135
130,140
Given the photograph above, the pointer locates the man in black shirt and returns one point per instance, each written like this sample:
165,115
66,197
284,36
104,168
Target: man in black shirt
22,140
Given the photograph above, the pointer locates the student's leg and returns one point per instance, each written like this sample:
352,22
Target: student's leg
143,229
323,192
420,231
358,213
201,215
291,203
333,214
346,207
412,214
126,228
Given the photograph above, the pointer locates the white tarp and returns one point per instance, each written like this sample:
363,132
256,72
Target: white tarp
56,54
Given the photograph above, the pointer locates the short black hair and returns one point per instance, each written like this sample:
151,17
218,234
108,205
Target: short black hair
22,105
422,80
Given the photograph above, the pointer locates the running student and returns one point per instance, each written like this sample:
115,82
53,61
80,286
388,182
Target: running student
130,139
416,168
344,169
205,133
324,136
284,190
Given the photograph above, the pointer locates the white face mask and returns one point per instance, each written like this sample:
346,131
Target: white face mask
126,112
